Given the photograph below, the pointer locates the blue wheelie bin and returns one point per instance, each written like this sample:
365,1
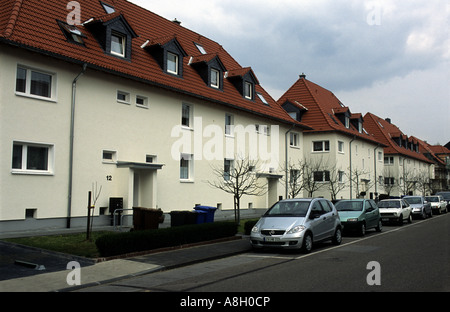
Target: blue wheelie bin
210,211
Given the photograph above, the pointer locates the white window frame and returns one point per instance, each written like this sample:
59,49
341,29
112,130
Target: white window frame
170,61
125,94
294,140
190,119
324,146
215,73
122,43
107,160
229,125
227,174
189,159
144,101
24,159
341,147
248,90
28,82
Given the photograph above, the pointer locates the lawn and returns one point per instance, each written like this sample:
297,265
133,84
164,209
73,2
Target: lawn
74,244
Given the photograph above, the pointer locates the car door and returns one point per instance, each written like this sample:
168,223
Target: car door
372,213
317,226
327,218
406,209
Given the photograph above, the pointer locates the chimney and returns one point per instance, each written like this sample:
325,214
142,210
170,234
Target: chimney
302,76
176,21
388,120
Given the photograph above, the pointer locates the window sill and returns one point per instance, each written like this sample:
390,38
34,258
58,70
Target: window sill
32,172
186,181
37,97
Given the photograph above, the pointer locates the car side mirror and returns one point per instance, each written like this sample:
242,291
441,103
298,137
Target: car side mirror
313,216
370,209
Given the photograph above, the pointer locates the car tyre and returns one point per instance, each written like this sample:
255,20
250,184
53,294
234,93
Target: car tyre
400,220
410,218
362,229
379,226
307,243
337,237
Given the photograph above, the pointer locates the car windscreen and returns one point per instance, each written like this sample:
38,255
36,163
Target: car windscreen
389,204
446,195
289,208
413,200
433,199
348,205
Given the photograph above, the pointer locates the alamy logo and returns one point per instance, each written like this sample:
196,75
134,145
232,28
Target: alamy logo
74,16
74,276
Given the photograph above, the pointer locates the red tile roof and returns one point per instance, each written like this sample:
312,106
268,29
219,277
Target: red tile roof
385,132
322,106
32,24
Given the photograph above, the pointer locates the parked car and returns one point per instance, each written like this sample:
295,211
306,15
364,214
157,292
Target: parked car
446,196
419,206
395,210
297,224
359,215
438,204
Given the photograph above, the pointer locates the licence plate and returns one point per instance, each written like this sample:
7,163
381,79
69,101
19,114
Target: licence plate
385,219
271,239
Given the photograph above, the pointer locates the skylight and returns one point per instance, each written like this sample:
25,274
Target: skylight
262,98
200,48
108,8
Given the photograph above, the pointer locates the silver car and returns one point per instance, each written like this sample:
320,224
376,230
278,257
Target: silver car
297,224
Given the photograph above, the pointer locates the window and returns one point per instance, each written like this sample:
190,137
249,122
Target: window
186,167
321,146
34,83
108,8
186,115
72,33
248,90
322,176
229,122
341,176
294,140
172,63
294,176
29,157
389,181
118,44
340,146
263,99
215,78
227,167
388,160
109,156
141,101
200,48
123,97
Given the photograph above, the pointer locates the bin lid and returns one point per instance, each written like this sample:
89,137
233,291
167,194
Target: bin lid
204,208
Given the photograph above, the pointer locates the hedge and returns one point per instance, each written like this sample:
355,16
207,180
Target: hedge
128,242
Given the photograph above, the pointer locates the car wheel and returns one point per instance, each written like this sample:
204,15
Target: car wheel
424,214
307,243
400,220
362,229
379,226
410,218
337,238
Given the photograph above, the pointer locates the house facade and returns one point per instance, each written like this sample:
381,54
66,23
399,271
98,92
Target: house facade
407,171
341,159
129,106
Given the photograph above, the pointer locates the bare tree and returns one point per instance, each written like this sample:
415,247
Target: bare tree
313,168
295,180
238,178
335,183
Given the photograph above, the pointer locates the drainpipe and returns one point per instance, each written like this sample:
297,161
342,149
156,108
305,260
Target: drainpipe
286,159
72,130
375,169
350,152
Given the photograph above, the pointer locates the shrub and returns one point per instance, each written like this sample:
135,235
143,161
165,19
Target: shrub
122,243
249,225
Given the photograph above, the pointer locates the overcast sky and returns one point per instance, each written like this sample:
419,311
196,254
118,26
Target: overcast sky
388,57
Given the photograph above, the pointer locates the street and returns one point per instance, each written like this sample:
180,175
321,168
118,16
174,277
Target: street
412,257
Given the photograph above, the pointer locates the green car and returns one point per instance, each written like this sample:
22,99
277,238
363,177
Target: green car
359,215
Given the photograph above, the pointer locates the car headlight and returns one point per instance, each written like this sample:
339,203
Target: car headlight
296,229
255,229
352,220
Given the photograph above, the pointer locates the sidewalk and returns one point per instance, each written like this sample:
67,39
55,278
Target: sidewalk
108,271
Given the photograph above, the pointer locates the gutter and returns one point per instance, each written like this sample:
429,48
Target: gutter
71,148
286,160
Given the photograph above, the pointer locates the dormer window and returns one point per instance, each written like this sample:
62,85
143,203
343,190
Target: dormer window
248,90
244,80
215,78
168,53
118,43
172,63
347,122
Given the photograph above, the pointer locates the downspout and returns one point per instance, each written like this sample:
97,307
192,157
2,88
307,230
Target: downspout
350,152
375,169
286,159
72,131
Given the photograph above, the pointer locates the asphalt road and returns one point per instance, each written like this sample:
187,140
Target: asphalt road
412,257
